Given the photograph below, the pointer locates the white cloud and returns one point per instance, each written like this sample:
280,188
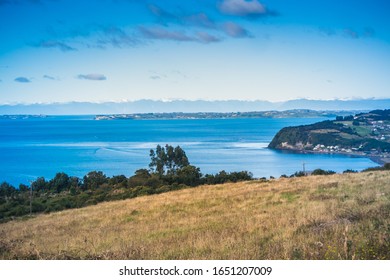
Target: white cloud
22,80
234,30
207,38
55,44
92,77
242,8
49,77
164,34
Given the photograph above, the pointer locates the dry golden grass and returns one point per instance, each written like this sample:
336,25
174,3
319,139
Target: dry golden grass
318,217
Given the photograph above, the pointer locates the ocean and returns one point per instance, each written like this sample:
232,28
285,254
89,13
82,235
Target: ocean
41,147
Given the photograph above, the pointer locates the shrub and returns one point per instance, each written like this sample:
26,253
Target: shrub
298,174
319,171
349,171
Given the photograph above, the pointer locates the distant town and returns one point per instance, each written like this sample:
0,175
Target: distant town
298,113
22,117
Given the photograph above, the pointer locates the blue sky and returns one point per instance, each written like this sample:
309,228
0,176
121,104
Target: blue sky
114,50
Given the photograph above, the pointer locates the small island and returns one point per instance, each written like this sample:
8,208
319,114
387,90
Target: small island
364,134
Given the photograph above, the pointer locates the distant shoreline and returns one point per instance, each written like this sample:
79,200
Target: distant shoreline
379,159
297,113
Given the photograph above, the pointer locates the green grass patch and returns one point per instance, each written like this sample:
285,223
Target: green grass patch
362,130
289,196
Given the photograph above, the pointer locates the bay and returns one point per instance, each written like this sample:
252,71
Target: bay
35,147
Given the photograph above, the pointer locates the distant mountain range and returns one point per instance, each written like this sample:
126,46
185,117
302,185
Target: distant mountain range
186,106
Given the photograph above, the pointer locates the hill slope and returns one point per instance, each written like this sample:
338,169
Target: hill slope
317,217
363,134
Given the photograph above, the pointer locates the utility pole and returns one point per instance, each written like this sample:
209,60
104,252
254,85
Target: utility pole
31,195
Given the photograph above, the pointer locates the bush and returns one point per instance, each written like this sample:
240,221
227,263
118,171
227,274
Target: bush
94,179
7,190
349,171
189,175
59,183
319,171
118,181
298,174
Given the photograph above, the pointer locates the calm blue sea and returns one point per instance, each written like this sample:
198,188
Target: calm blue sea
31,148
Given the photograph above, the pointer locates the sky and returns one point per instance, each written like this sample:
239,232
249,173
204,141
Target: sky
125,50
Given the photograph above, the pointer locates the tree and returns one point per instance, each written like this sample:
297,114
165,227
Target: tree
189,175
180,159
157,160
60,182
167,160
118,180
7,190
23,188
348,118
142,177
143,173
75,182
94,180
221,177
39,185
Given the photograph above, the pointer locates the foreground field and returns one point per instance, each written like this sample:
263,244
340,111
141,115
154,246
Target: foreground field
317,217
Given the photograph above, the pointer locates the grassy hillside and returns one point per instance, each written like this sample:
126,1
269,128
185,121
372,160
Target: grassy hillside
317,217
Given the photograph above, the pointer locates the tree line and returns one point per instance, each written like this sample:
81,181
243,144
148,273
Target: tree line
169,169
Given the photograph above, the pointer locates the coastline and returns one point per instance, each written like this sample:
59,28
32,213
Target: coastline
380,159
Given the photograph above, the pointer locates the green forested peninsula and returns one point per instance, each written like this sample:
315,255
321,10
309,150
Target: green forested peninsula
362,134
